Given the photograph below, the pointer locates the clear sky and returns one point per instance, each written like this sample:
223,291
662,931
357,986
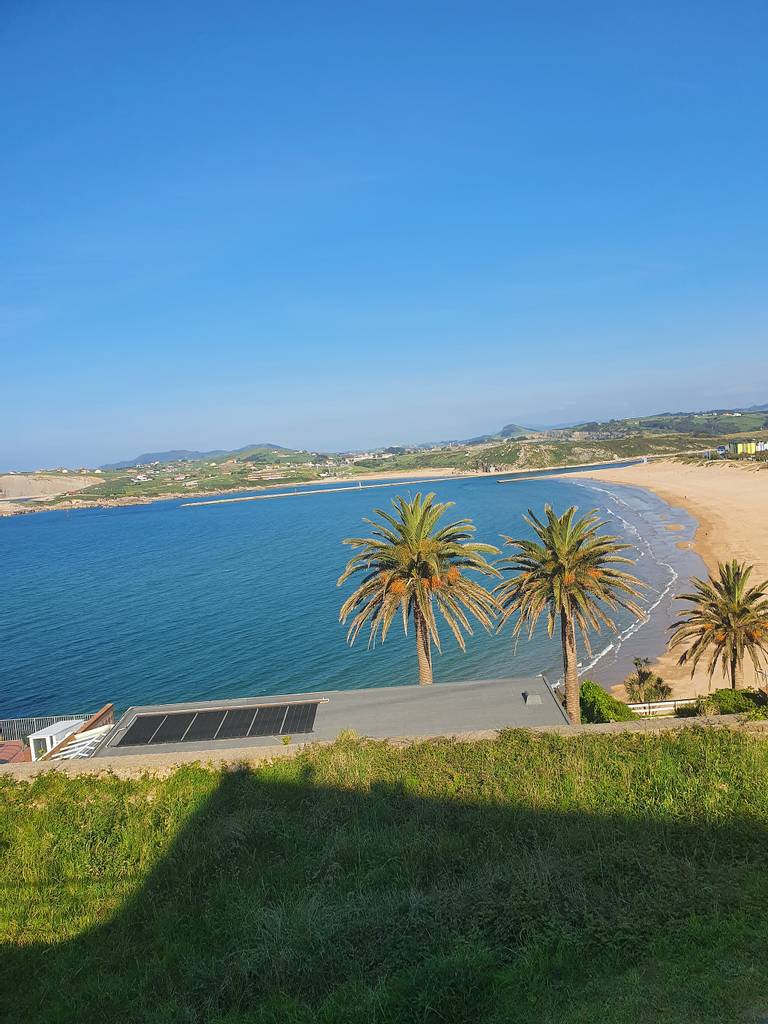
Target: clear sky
335,225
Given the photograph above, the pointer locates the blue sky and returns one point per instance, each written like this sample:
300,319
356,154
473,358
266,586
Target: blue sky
339,225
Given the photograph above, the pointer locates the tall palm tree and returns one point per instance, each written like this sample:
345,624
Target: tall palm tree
414,566
727,620
570,571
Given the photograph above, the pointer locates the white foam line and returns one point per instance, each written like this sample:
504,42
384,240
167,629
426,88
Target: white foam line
597,657
645,547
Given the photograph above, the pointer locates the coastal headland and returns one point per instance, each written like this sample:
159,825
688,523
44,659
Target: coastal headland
426,475
729,500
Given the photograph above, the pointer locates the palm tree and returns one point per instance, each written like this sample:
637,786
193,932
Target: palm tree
413,566
727,619
644,685
569,570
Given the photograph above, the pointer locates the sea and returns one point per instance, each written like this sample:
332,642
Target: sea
175,601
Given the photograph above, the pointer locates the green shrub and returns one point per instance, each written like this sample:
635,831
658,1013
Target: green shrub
736,702
688,711
728,702
599,706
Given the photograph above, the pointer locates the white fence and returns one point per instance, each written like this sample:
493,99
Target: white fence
654,708
20,728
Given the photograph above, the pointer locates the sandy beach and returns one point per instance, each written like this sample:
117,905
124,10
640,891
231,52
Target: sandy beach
730,502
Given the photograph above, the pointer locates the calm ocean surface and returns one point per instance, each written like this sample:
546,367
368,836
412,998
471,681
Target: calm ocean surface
161,603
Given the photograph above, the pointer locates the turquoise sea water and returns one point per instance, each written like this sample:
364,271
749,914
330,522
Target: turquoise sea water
160,603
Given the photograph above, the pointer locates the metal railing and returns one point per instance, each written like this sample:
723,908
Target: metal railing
21,728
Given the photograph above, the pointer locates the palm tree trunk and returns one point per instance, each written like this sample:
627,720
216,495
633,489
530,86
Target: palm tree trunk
570,666
734,668
423,650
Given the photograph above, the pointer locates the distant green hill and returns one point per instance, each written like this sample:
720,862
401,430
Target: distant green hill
711,422
514,430
191,456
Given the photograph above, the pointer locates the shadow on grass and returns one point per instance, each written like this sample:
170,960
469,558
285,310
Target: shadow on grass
298,902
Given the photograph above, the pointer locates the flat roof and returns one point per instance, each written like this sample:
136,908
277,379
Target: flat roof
53,730
442,709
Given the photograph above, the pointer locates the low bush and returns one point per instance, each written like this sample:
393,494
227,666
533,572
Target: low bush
599,706
736,702
752,703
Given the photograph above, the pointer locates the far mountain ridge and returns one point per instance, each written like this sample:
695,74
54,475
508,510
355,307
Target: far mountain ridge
182,454
705,421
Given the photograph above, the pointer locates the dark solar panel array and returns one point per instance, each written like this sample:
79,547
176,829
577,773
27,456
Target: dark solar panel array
205,725
224,724
236,724
268,721
173,728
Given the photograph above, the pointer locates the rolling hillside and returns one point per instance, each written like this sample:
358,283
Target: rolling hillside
184,455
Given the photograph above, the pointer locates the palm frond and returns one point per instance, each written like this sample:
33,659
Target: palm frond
413,565
725,621
570,567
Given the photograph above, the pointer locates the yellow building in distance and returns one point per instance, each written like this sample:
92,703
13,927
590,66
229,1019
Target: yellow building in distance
743,447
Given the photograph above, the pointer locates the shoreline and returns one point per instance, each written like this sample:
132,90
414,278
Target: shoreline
651,517
77,504
728,502
429,474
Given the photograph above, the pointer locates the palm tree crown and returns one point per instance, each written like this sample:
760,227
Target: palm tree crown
644,685
569,570
414,567
727,621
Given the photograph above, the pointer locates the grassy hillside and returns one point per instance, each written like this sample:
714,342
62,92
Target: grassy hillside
705,424
530,879
574,453
202,477
541,454
217,475
514,430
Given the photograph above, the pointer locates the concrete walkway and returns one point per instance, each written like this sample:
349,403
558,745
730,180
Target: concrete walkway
443,709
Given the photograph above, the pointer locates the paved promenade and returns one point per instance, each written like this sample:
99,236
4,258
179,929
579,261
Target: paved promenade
442,709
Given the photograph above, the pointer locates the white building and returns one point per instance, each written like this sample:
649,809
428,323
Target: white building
44,740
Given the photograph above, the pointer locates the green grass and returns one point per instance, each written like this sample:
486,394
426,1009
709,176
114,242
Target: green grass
512,454
529,879
208,479
701,424
542,455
